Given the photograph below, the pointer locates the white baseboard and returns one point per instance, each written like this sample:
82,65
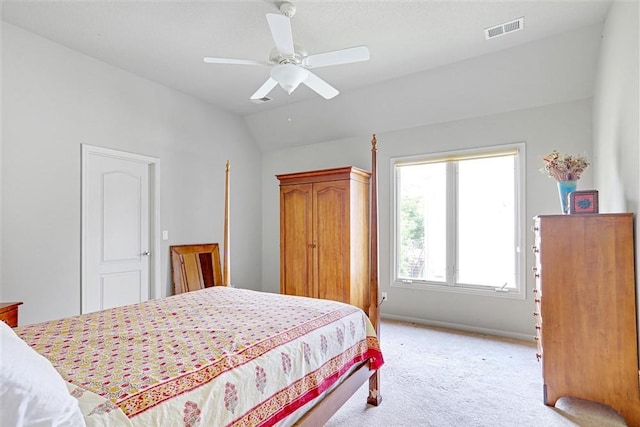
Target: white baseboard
466,328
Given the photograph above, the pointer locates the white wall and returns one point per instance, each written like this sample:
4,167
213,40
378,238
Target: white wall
613,146
616,117
538,93
53,100
565,126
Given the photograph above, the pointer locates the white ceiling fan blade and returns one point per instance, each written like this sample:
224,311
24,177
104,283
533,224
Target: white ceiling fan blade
337,57
280,27
321,87
265,89
233,61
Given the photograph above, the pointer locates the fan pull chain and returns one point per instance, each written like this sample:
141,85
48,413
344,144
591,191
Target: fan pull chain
289,107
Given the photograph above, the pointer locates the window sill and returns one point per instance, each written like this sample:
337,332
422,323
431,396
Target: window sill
488,292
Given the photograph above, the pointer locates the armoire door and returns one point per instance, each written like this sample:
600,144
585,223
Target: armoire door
296,226
331,233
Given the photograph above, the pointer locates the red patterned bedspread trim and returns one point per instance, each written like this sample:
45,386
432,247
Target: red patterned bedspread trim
311,386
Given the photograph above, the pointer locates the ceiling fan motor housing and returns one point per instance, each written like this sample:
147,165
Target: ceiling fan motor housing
276,57
288,9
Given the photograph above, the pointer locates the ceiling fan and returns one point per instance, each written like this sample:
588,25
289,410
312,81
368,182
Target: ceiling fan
291,64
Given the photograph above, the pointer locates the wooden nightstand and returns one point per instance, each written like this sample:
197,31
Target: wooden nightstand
9,313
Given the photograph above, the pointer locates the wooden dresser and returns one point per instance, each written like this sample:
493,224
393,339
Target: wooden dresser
586,310
9,313
324,235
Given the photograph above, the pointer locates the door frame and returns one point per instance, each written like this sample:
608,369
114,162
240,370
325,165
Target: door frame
155,284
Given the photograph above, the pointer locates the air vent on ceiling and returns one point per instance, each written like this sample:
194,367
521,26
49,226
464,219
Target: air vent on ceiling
506,28
261,100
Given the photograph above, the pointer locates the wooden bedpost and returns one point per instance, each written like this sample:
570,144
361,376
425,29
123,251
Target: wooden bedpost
226,269
374,315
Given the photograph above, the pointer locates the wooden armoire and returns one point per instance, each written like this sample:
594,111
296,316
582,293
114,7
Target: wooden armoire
324,234
585,312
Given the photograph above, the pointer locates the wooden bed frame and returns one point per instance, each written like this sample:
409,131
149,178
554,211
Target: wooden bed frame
334,400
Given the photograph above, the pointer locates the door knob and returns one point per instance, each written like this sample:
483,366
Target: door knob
145,253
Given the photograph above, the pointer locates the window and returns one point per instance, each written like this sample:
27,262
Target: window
457,221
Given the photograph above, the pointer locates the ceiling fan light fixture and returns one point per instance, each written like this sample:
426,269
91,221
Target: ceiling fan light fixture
289,76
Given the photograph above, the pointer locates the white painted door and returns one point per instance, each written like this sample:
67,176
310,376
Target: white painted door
117,245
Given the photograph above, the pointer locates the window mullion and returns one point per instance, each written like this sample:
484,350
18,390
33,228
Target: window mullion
452,203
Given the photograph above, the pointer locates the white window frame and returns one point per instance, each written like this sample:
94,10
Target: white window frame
520,161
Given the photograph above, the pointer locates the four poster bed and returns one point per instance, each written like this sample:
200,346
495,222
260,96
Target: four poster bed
210,357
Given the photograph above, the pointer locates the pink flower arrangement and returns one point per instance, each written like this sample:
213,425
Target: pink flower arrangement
564,167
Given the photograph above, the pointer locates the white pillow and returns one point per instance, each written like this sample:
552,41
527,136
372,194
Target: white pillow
32,392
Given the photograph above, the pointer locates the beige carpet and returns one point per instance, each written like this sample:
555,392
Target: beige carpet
437,377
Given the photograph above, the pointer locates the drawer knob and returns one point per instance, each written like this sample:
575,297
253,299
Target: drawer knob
535,313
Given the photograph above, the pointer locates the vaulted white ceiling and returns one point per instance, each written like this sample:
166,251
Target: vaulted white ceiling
166,41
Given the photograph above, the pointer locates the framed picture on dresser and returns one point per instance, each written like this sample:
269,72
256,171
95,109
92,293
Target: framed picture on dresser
583,202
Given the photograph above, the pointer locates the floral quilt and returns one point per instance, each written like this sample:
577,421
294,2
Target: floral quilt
216,357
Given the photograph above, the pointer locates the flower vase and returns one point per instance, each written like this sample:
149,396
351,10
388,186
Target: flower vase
564,188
